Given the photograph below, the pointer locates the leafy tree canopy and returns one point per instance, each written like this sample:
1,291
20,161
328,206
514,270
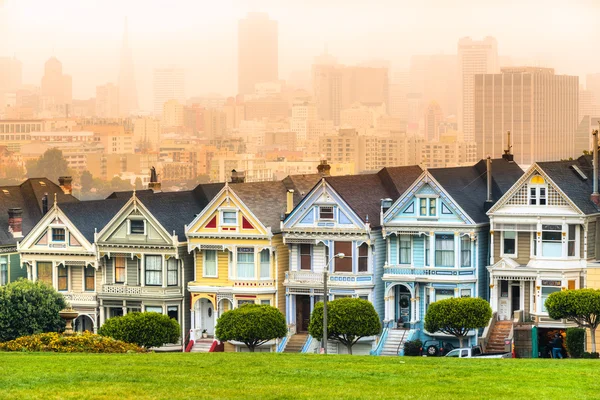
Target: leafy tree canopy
51,165
148,329
251,324
348,320
28,308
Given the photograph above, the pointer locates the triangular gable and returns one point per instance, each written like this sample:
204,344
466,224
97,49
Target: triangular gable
517,195
214,218
308,213
425,185
117,232
55,218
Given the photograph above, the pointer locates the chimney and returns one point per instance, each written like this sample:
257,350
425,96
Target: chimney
66,184
238,177
385,205
489,201
595,197
45,204
154,184
324,168
15,222
508,156
290,201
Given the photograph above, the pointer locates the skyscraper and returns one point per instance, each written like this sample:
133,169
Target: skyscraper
107,101
539,108
474,57
57,88
128,100
433,119
434,76
258,52
169,84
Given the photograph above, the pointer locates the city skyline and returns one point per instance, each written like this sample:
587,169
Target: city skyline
560,37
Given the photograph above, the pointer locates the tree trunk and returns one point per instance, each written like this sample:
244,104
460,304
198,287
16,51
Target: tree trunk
349,346
593,334
251,348
460,341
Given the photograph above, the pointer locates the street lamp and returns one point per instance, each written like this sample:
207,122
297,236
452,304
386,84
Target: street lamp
324,343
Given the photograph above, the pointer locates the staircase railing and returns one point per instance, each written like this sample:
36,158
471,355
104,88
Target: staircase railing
401,344
485,336
384,334
283,343
307,344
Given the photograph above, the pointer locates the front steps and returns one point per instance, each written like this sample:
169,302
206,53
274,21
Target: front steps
395,340
296,343
498,335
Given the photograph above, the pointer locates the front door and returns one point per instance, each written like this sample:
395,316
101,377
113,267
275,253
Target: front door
302,313
207,316
516,298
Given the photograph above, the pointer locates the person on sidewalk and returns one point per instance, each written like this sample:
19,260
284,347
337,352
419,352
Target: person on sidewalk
557,346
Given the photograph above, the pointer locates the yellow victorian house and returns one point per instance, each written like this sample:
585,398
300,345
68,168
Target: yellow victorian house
238,251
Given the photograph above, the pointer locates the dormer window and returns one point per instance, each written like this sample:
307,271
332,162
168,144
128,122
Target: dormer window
229,218
137,227
58,234
537,191
325,212
428,207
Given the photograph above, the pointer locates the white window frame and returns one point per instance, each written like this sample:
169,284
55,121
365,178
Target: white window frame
410,249
577,241
260,264
540,248
428,207
265,302
222,217
146,307
508,255
461,290
326,219
52,228
537,188
3,264
204,274
129,226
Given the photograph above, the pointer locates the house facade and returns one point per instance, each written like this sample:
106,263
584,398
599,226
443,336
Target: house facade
436,237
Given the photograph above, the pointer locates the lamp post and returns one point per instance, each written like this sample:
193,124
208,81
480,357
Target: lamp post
324,343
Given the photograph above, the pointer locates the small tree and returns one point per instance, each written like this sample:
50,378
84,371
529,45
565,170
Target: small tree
51,165
251,324
581,306
148,329
457,316
28,308
348,320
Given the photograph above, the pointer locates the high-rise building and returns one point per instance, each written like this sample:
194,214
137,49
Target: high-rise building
169,84
434,76
146,133
474,57
11,71
258,52
539,108
215,123
433,119
592,83
57,88
128,100
107,101
303,112
173,115
398,104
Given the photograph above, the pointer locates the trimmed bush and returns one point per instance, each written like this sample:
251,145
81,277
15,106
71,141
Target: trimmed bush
457,316
148,329
84,343
591,355
28,308
413,348
251,324
348,320
575,342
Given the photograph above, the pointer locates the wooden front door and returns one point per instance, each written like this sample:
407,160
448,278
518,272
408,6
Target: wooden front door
302,313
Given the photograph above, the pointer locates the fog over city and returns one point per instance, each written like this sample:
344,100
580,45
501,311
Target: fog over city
201,36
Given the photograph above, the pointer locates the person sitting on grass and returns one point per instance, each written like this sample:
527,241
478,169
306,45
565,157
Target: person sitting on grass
557,346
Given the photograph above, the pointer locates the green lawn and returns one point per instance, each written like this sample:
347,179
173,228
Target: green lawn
289,376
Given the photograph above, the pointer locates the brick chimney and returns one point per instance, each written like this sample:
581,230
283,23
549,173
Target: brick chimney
66,184
238,177
15,222
324,168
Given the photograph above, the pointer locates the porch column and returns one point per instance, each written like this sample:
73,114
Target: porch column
392,304
431,249
142,271
531,294
456,250
494,293
288,307
538,295
386,305
192,319
491,261
417,303
163,260
102,316
55,274
70,274
124,308
413,310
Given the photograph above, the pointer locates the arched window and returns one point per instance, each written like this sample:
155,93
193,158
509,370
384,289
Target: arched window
538,190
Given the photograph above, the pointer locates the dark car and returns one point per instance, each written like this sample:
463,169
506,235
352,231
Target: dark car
434,348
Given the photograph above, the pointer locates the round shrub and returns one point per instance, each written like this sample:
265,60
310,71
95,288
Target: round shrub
84,343
413,348
148,329
575,342
27,308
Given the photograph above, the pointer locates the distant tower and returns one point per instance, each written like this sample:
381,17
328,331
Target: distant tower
128,100
258,59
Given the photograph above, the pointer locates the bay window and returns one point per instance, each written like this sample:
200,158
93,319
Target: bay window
571,240
210,263
156,309
442,294
3,271
465,251
63,278
363,258
172,272
245,262
173,312
265,263
153,270
427,250
509,243
119,269
444,250
90,281
44,272
551,240
343,264
305,256
404,250
547,291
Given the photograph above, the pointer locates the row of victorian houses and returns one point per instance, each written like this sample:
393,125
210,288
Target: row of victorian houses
409,236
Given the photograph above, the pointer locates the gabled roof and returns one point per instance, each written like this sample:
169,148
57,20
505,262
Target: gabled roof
28,196
570,183
91,216
468,185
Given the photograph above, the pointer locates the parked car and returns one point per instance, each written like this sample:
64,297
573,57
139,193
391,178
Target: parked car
434,348
475,352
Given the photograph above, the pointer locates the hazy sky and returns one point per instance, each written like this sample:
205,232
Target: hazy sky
201,35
